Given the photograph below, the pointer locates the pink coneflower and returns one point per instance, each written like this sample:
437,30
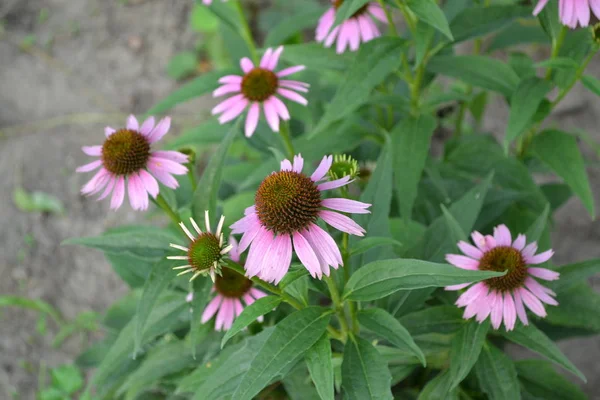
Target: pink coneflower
359,27
259,87
126,158
503,297
205,252
230,288
287,207
572,12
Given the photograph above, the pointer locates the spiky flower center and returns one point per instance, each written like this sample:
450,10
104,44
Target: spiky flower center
125,152
596,32
338,3
287,202
232,284
504,258
343,165
259,84
204,252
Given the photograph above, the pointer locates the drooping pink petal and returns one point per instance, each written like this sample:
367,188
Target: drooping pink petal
109,187
118,193
163,176
540,258
166,165
92,150
485,306
89,167
474,293
364,26
456,287
328,244
282,257
171,155
324,25
132,123
595,5
234,253
281,109
497,311
347,205
321,250
520,308
147,126
288,94
252,119
322,169
237,305
543,273
532,302
582,11
227,89
257,294
275,58
138,197
290,70
519,242
233,112
502,235
271,115
510,313
342,223
463,262
227,104
149,183
246,65
540,6
230,79
335,184
479,241
344,38
307,255
470,250
376,11
248,299
97,182
354,34
539,291
258,250
245,223
225,315
211,308
331,37
160,130
529,250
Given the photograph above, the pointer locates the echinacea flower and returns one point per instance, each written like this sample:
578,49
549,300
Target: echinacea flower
359,27
572,12
503,297
126,158
230,288
258,88
205,251
287,207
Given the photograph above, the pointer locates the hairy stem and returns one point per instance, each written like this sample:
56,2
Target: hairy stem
287,139
339,305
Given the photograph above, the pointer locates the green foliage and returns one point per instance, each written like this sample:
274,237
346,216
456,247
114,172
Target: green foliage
250,314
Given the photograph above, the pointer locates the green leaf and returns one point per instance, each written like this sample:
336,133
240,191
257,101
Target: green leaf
131,269
369,243
410,142
195,88
201,289
558,63
182,65
578,308
290,26
456,231
480,20
317,57
591,83
437,319
318,361
386,326
145,241
365,374
535,231
198,137
260,307
573,274
478,71
37,202
32,304
497,374
382,278
205,196
374,62
539,378
550,21
437,389
559,151
466,346
161,275
291,338
523,106
429,12
347,9
203,20
68,378
535,340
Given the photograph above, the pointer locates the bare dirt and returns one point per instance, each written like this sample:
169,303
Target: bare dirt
93,62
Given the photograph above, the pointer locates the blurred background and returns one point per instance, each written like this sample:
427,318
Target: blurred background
70,67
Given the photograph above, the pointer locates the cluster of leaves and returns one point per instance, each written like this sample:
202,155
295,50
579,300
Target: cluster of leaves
381,104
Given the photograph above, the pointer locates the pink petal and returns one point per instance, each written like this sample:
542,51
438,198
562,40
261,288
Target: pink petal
540,258
324,25
233,112
149,183
118,193
334,184
257,294
328,244
539,291
252,119
532,302
175,156
456,287
354,36
138,197
485,307
166,165
237,304
246,65
462,261
510,313
132,123
286,165
244,224
292,96
271,115
248,299
529,250
479,241
163,176
331,37
160,130
281,109
322,169
595,5
293,86
520,308
92,150
230,79
89,167
344,38
227,104
470,250
376,11
543,273
258,250
497,311
342,223
264,62
225,315
109,187
275,58
281,257
298,163
502,235
226,89
475,292
364,25
234,253
307,255
109,131
291,70
321,250
540,6
347,205
97,182
211,309
519,242
147,126
582,10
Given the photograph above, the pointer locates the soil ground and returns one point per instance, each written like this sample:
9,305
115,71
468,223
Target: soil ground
91,63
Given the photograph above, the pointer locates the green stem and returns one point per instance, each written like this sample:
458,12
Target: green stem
162,203
287,140
192,178
388,15
339,305
408,16
556,45
415,90
246,32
